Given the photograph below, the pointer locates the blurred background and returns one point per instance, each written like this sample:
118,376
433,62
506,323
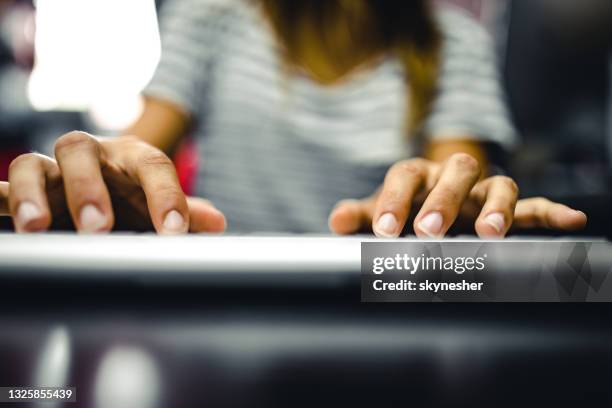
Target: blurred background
62,68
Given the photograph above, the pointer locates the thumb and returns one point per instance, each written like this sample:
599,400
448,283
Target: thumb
204,217
541,212
351,216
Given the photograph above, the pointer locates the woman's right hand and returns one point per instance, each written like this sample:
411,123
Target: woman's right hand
99,184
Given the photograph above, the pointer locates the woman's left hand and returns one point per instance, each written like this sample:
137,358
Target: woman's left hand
447,194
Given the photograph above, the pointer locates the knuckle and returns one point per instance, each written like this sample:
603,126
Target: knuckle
154,157
507,182
411,168
466,162
541,201
23,159
74,139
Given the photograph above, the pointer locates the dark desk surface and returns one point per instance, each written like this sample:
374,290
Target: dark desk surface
192,347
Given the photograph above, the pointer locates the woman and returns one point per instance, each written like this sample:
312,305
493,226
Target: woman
298,105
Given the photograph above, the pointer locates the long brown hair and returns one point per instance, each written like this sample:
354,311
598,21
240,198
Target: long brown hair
330,38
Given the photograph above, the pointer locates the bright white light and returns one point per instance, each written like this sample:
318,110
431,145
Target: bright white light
127,378
117,113
89,52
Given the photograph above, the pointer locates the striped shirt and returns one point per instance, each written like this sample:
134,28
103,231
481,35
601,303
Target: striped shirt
277,152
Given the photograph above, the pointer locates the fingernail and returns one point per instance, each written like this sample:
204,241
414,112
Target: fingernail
174,223
91,219
27,212
496,220
431,224
387,225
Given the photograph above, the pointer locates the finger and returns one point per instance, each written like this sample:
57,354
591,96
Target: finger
27,198
402,183
439,211
204,217
166,201
351,216
4,193
541,212
498,196
79,157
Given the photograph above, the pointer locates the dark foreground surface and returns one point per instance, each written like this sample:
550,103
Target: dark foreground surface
180,346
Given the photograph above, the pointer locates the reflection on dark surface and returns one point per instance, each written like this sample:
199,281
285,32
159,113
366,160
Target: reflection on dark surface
127,377
181,347
54,360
